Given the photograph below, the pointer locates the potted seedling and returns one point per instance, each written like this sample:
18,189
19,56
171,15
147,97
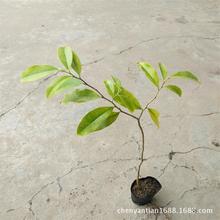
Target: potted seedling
121,101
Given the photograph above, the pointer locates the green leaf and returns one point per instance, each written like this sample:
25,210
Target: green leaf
121,95
96,119
65,55
110,87
113,86
60,84
127,99
163,71
80,95
150,72
37,72
154,114
186,75
174,89
76,64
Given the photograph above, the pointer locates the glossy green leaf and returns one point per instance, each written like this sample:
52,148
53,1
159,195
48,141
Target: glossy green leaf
81,95
163,71
186,75
60,84
96,119
121,95
76,64
174,89
154,114
37,72
150,72
65,55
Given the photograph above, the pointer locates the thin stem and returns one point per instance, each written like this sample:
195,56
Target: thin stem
152,100
142,131
142,150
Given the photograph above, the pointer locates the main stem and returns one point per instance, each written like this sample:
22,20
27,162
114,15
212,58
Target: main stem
138,119
142,150
142,130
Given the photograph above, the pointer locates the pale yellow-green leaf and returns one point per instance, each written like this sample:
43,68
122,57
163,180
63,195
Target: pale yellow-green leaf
81,95
150,72
154,114
76,64
174,89
37,72
65,55
163,70
61,84
186,75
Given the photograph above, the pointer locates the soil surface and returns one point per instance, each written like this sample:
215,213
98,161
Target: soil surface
147,187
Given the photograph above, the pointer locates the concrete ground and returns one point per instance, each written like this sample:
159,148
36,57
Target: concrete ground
46,171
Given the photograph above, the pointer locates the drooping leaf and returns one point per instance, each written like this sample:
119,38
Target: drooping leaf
121,95
96,119
60,84
81,95
163,71
37,72
154,114
150,72
174,89
76,64
65,55
186,75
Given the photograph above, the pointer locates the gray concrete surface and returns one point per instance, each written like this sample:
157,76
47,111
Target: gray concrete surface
47,172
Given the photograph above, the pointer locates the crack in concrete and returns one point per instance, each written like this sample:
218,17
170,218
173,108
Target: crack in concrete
187,191
94,61
20,101
186,167
25,97
10,210
161,38
59,185
192,115
164,169
172,153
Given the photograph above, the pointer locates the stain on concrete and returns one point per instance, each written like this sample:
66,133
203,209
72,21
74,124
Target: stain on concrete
182,20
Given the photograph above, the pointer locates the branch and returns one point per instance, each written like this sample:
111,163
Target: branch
101,95
154,98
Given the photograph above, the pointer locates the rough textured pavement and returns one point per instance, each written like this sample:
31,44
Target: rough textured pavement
47,172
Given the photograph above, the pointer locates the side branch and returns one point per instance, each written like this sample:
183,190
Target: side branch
102,96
